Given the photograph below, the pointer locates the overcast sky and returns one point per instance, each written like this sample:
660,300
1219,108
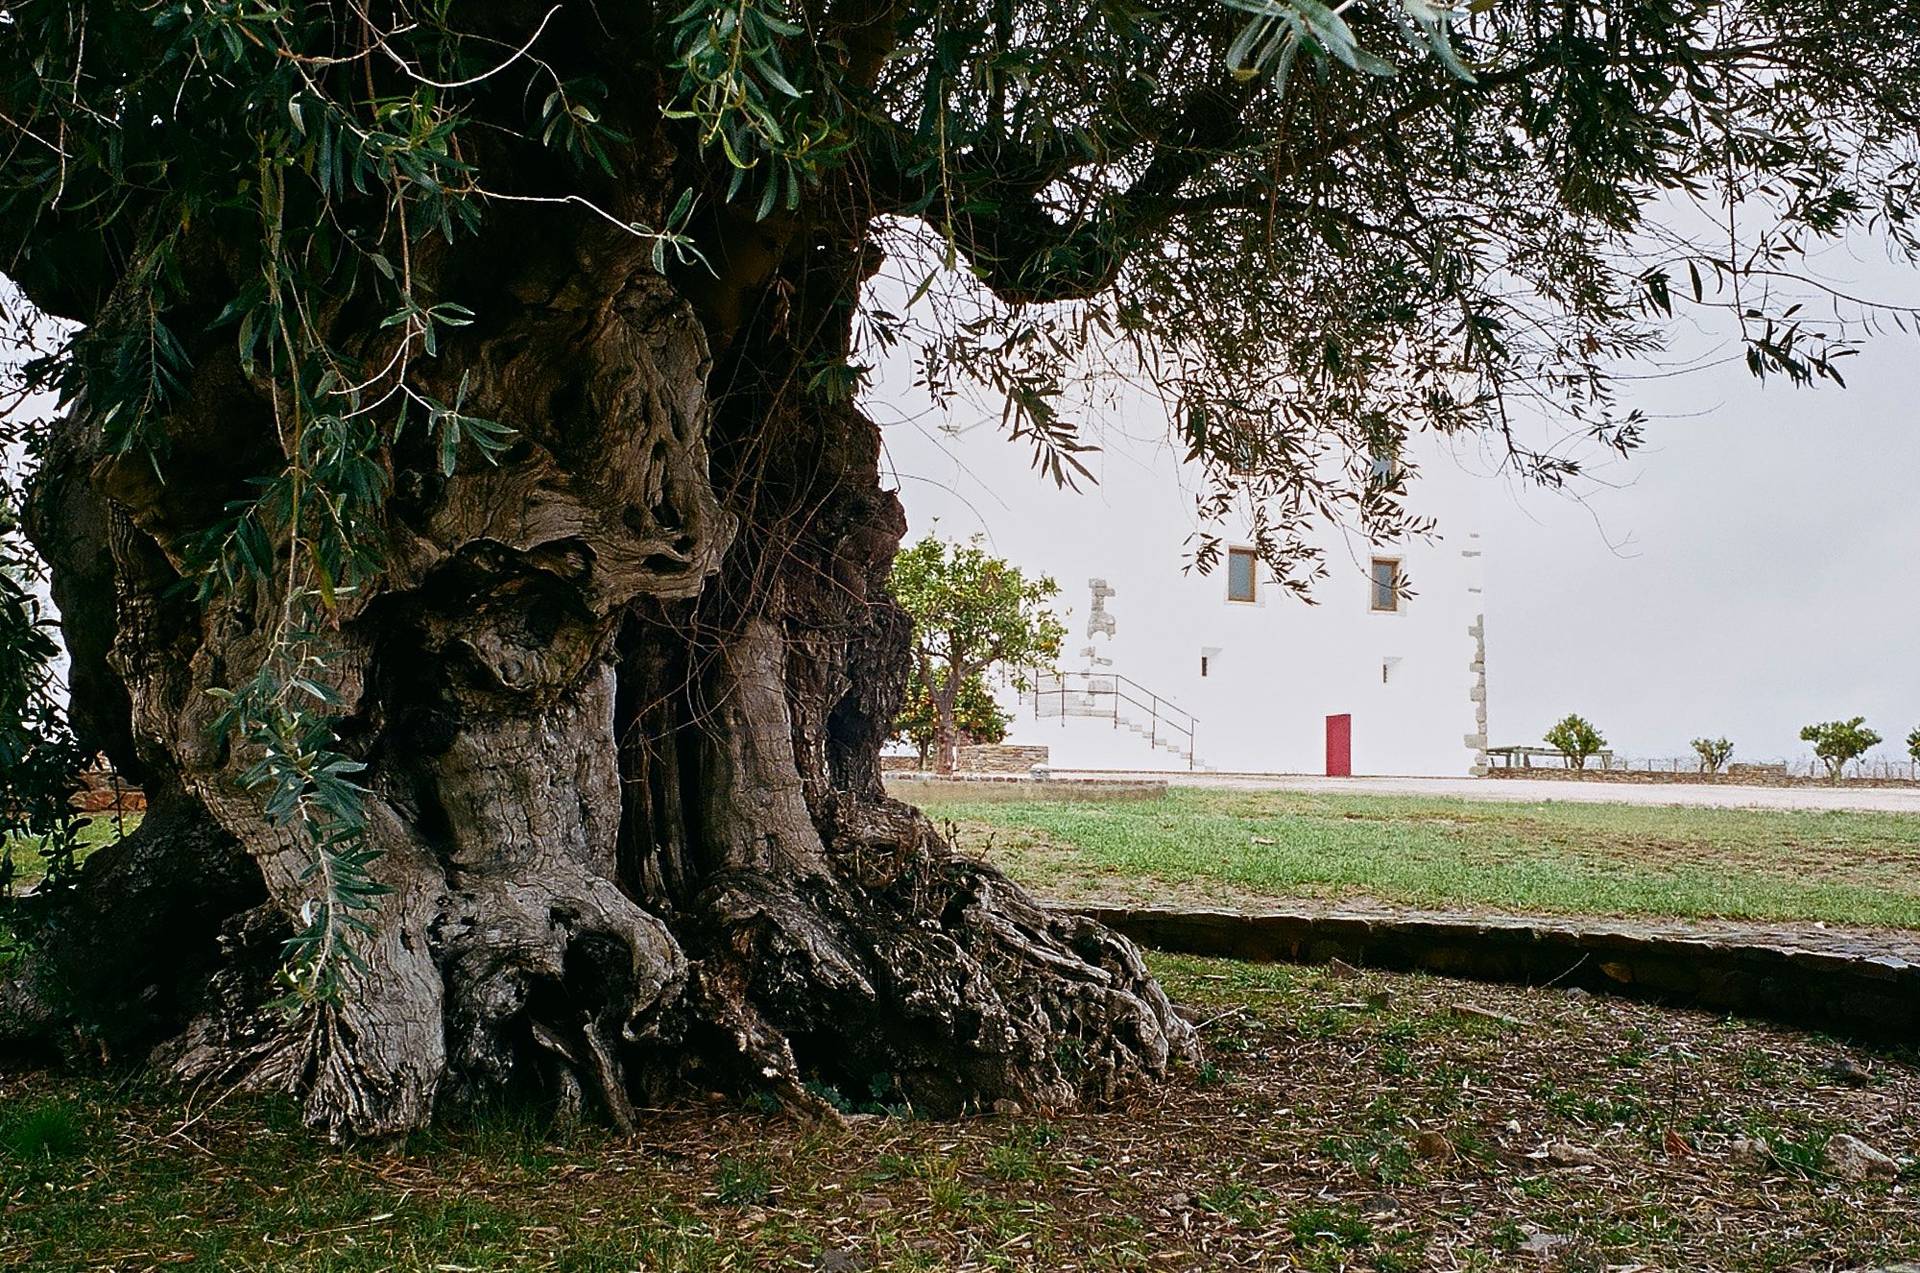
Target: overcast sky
1754,569
1751,569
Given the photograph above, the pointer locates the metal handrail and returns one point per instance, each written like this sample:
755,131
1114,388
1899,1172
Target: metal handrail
1122,679
1094,684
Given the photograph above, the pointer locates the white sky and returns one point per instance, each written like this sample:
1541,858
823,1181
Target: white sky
1749,570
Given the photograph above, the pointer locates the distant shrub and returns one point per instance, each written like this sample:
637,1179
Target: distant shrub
1913,744
1838,741
1714,753
1577,737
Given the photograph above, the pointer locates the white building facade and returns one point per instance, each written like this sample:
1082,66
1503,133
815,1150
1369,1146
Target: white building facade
1169,669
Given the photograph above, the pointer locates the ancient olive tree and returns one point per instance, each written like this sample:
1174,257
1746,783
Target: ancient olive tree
977,620
465,522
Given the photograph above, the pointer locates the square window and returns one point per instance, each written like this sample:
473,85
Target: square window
1241,564
1385,583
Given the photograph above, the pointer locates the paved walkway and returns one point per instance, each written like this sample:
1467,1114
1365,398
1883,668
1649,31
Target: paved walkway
1535,790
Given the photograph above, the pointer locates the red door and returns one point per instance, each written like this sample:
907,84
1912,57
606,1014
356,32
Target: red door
1340,746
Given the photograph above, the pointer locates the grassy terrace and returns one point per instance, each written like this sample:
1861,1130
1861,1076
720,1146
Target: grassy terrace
1358,1123
1238,847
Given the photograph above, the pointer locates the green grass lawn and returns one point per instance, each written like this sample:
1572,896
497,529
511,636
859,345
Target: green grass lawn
1560,858
100,829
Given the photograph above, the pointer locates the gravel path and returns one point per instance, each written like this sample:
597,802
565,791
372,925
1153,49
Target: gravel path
1534,790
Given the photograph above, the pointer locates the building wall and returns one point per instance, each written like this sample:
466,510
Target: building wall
1277,668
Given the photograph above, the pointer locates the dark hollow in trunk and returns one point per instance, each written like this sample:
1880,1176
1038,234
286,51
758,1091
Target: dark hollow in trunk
621,698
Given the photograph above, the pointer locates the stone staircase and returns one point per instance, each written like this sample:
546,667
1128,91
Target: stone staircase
1121,700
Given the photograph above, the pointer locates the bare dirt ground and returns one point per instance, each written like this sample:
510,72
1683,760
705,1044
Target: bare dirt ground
1360,1121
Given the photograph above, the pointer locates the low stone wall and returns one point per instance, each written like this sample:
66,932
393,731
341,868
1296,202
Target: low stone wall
923,788
977,758
1835,982
1736,776
1740,771
998,758
101,791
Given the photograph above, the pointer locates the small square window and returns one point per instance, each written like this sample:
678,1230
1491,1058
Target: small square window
1385,584
1241,563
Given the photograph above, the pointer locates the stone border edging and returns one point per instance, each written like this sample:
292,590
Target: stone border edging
1854,992
1661,777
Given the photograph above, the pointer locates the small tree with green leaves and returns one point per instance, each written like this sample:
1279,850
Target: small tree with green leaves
977,717
976,620
1913,744
1577,737
1714,753
1838,741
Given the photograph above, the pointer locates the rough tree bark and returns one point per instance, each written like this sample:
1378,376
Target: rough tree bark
621,697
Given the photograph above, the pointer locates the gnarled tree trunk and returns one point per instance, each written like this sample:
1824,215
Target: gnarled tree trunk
621,698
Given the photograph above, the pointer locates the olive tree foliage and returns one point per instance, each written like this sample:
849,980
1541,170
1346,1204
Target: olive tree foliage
1576,736
1340,260
1839,742
354,282
1913,744
978,621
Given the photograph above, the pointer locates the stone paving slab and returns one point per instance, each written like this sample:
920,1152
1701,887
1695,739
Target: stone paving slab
1857,984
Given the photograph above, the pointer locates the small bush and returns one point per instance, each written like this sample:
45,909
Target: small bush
1838,741
1913,744
1577,737
1714,753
